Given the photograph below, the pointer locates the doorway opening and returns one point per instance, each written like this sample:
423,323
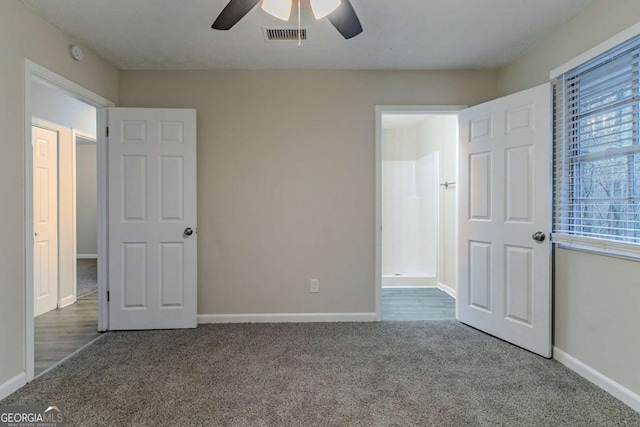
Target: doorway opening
417,170
64,134
65,197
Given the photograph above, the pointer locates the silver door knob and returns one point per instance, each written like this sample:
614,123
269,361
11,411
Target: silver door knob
538,236
187,232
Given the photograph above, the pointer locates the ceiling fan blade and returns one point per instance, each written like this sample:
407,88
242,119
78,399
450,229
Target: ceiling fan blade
346,21
233,12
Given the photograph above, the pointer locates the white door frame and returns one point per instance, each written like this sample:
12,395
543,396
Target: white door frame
32,73
395,109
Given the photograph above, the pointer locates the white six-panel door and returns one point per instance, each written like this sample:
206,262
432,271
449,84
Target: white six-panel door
45,216
504,281
152,219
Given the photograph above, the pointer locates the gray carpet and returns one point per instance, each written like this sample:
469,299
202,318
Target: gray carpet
348,374
87,276
417,304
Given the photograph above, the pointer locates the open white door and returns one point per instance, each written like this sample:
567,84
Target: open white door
45,217
152,219
504,210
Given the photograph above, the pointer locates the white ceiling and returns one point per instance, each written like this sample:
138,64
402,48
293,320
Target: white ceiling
398,34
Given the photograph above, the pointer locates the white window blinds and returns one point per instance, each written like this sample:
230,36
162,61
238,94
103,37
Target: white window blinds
597,149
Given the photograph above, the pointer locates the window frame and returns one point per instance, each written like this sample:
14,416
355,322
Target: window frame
566,140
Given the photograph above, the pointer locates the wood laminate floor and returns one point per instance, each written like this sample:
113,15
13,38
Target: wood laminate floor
60,332
417,304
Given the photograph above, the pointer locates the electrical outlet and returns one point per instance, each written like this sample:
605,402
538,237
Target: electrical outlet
314,287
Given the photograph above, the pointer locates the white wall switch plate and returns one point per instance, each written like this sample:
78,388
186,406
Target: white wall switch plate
314,287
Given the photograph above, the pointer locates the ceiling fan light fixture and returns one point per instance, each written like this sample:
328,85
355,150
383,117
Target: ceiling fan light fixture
322,8
280,9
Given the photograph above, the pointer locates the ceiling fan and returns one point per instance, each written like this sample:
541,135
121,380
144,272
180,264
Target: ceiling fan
339,12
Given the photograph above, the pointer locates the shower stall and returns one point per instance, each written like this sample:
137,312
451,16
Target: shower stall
410,212
411,159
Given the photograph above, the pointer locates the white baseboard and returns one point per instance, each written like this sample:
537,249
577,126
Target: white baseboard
87,256
66,301
12,385
447,289
607,384
286,318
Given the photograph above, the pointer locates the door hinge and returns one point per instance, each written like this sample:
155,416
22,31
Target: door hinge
108,296
107,130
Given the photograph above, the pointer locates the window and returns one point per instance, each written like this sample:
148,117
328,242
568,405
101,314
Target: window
597,152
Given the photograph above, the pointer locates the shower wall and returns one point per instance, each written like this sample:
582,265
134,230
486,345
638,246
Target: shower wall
410,212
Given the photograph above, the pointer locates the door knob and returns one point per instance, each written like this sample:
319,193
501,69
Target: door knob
187,232
538,236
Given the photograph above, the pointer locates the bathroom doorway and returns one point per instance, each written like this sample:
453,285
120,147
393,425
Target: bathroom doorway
417,170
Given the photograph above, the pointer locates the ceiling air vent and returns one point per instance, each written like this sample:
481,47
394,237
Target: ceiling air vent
284,34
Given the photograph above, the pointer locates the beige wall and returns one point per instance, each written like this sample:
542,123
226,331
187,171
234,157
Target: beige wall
86,199
597,298
25,34
286,177
602,20
597,313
